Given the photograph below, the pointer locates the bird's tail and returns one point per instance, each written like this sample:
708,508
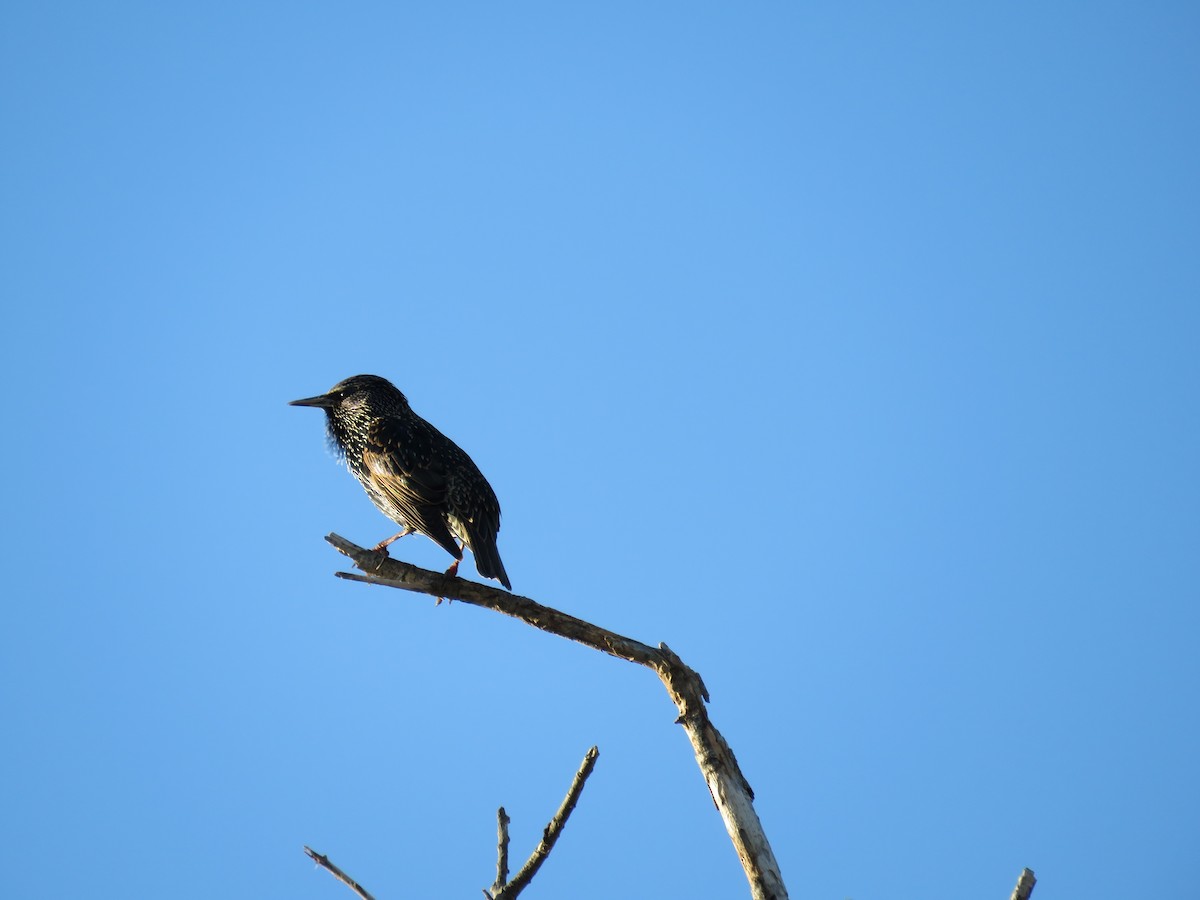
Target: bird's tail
487,560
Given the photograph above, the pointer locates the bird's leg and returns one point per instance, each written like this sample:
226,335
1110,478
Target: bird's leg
382,546
452,571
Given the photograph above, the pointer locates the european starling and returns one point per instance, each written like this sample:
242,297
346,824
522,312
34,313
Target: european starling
413,473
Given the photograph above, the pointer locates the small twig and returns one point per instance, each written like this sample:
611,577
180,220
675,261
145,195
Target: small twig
552,831
1024,885
502,821
321,860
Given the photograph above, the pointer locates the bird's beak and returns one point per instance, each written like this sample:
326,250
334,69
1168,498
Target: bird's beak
325,401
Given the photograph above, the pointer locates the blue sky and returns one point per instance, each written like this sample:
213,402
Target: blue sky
849,349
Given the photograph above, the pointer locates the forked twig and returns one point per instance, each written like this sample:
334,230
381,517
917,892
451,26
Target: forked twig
551,832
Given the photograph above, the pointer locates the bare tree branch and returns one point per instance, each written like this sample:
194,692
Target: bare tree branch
729,789
1024,886
322,860
502,821
551,832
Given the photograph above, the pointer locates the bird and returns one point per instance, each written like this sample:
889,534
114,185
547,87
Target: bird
414,474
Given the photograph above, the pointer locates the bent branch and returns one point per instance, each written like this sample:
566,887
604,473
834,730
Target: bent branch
729,789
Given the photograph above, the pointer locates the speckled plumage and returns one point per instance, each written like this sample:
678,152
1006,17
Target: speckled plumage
413,473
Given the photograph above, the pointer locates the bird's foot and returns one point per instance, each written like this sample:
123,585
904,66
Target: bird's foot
453,573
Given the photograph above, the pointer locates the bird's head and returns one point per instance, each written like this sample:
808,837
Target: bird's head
351,406
356,395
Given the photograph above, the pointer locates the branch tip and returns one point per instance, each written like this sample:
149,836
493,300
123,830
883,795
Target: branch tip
324,862
1024,886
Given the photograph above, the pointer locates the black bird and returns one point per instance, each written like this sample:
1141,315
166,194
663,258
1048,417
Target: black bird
413,473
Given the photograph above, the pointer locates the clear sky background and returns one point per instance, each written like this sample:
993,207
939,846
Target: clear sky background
850,349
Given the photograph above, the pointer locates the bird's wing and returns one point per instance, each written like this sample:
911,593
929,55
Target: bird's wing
407,472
